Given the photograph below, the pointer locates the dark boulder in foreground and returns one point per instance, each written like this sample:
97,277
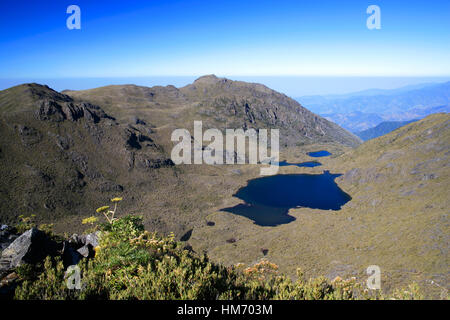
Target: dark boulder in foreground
31,247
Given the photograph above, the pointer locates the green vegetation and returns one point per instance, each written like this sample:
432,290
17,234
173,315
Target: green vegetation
131,263
26,223
397,218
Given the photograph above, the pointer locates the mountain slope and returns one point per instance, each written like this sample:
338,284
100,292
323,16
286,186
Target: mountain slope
381,129
62,153
397,218
220,103
399,185
317,100
59,156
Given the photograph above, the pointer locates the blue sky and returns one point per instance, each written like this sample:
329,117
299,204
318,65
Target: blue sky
228,38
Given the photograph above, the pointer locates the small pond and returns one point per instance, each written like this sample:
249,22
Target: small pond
318,154
309,164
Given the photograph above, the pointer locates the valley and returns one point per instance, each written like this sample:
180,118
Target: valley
360,111
64,154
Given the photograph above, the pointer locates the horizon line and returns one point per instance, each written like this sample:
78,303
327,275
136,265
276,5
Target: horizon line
229,75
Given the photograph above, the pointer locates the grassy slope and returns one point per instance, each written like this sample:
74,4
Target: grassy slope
133,264
379,226
175,200
220,103
397,219
55,169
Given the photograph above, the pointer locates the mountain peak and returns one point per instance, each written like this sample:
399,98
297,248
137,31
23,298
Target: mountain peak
207,79
37,90
25,96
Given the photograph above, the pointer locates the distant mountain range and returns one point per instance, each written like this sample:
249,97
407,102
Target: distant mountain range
382,129
363,110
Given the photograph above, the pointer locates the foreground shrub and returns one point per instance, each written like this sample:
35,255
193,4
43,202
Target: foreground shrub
131,263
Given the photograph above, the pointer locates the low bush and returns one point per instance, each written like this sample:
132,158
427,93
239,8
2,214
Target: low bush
131,263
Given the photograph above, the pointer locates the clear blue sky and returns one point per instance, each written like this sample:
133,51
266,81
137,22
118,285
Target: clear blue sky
229,38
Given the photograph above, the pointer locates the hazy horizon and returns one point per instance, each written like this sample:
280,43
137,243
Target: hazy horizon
293,86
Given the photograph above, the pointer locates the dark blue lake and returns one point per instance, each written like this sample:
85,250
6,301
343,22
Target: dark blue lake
268,199
309,164
317,154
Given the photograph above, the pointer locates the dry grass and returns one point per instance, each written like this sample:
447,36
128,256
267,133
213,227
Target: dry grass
397,219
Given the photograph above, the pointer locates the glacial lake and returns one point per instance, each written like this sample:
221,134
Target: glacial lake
318,154
308,164
268,199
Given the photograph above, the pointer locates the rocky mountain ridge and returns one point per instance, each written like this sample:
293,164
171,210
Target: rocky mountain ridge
58,155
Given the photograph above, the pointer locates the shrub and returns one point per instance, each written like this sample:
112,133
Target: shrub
131,263
25,223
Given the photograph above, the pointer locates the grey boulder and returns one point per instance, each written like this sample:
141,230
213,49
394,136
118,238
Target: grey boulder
86,243
31,247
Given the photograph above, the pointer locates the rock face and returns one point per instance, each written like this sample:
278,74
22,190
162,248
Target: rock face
78,247
245,105
34,245
86,243
54,111
60,154
31,247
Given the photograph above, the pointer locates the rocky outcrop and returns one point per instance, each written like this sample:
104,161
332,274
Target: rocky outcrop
28,135
53,111
78,247
31,247
250,105
34,245
86,243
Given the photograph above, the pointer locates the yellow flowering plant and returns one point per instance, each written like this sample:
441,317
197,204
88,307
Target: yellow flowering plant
89,220
109,214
